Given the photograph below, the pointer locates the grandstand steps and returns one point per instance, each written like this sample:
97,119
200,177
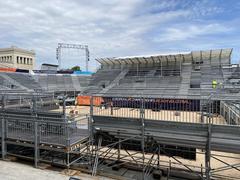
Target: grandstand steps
4,84
68,83
151,72
25,80
12,81
90,90
84,81
115,82
41,81
194,91
76,83
186,78
62,82
104,77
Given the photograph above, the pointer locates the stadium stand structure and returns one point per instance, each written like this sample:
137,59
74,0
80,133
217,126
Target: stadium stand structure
139,108
45,82
19,81
186,75
62,82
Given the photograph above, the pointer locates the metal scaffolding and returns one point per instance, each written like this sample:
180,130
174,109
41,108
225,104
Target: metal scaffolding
39,132
134,132
148,137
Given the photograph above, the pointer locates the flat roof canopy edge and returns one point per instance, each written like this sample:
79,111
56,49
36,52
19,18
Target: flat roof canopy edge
212,55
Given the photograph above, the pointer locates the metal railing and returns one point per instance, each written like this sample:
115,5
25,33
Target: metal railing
50,131
24,123
177,110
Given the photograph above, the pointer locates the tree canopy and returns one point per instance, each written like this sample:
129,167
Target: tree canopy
76,68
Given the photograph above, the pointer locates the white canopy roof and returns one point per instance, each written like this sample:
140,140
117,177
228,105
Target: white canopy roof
212,55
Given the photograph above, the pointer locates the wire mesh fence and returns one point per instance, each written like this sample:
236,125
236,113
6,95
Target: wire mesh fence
178,110
62,132
20,130
43,102
25,118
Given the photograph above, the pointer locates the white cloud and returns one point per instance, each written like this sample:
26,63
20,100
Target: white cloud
110,28
182,32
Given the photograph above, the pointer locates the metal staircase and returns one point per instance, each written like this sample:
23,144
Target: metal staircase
186,78
115,82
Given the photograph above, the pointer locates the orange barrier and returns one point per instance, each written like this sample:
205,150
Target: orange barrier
7,69
85,101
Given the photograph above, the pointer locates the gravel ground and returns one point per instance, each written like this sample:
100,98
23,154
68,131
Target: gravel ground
19,171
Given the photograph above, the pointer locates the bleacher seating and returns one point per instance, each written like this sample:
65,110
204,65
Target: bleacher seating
62,82
168,71
174,76
175,79
106,76
48,82
136,81
136,73
25,80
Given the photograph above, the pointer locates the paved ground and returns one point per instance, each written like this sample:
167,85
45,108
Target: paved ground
20,171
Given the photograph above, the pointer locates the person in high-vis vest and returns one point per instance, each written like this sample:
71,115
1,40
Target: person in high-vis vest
214,84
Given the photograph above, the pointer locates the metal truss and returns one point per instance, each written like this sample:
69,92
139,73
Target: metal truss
71,46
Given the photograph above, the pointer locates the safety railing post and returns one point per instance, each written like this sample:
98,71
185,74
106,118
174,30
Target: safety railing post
68,143
208,154
36,142
90,129
34,104
3,128
202,111
64,107
142,116
91,117
208,145
3,138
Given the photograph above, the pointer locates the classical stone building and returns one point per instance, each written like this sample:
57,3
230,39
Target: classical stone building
15,57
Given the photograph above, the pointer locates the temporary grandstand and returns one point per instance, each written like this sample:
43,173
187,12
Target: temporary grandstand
144,117
177,105
44,82
62,82
186,75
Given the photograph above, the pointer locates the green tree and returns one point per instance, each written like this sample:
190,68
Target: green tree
76,68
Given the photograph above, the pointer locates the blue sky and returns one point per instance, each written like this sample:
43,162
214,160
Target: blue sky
119,27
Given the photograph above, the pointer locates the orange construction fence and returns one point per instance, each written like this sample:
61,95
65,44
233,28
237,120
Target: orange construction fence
86,101
7,69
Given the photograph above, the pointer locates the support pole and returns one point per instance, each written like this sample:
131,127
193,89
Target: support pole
158,163
95,166
90,128
64,107
180,62
3,139
208,149
142,114
3,129
68,160
36,150
68,144
201,111
119,147
161,68
87,57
